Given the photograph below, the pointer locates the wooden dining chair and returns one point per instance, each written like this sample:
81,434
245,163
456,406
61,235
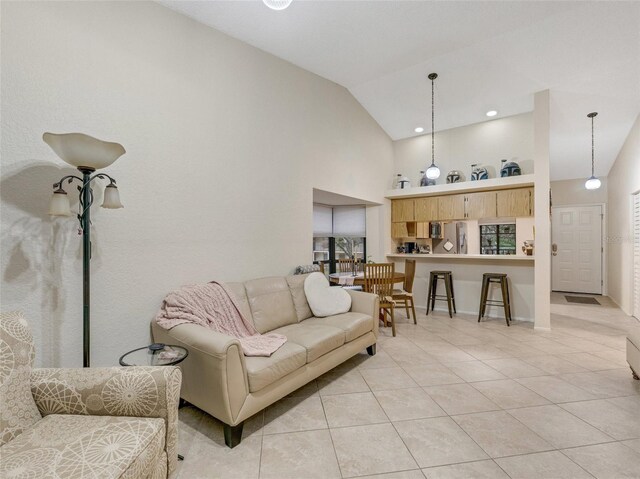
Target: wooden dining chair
378,279
404,296
344,265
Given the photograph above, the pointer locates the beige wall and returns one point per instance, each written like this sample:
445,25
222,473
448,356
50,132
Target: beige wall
484,143
224,145
573,192
624,180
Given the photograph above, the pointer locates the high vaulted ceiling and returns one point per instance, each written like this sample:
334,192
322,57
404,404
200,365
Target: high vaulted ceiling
489,55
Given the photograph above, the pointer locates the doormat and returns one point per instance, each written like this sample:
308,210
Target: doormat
581,299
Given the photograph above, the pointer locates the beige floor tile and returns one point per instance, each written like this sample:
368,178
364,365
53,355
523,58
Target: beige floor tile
499,434
618,357
607,461
460,399
553,364
515,368
404,404
447,353
518,349
607,416
485,351
559,427
375,449
206,455
308,390
472,371
602,386
432,375
380,360
476,470
555,389
354,409
414,474
633,444
388,378
294,414
542,465
438,441
589,361
507,394
306,454
342,382
630,404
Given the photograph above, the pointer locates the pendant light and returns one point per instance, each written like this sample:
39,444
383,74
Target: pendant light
593,183
433,171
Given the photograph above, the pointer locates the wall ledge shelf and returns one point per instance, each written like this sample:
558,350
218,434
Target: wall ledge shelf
464,257
463,187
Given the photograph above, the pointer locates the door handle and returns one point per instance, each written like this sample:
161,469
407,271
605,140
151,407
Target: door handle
554,249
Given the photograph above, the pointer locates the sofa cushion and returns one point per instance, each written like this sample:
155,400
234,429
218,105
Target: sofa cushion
634,338
296,286
271,303
323,299
18,409
73,446
317,339
262,371
353,324
241,298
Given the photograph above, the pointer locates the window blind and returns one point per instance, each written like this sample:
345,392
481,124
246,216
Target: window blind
322,221
349,221
636,255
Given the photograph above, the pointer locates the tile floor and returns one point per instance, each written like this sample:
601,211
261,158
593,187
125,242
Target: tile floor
449,398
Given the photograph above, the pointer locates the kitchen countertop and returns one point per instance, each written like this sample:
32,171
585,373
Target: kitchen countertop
462,257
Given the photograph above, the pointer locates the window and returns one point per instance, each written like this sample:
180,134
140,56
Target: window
339,232
498,239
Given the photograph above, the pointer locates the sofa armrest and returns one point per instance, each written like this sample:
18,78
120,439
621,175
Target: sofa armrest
137,391
366,303
215,375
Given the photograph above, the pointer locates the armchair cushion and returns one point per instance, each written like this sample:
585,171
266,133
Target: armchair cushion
70,446
18,410
143,392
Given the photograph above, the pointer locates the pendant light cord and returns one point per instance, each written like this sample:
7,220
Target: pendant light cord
433,146
593,161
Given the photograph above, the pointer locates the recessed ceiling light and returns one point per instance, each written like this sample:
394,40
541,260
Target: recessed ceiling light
492,113
419,129
277,4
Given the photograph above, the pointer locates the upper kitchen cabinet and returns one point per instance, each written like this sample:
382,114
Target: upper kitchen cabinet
426,209
451,207
515,203
480,205
402,210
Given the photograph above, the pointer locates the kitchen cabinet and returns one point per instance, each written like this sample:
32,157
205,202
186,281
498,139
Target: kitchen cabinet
515,203
451,207
402,210
426,209
399,230
480,205
422,230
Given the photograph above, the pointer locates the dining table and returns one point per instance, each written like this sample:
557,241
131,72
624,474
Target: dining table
349,279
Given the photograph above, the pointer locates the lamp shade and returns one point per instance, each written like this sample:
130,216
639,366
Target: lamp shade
82,150
112,198
592,183
59,204
433,172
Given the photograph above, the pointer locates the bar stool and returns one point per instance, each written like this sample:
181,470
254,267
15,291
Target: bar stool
434,276
496,278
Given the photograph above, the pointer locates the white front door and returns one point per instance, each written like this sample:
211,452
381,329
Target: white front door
576,233
636,255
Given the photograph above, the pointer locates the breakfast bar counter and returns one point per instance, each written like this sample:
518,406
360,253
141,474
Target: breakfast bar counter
463,257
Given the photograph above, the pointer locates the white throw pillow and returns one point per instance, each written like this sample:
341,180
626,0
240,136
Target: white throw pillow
323,299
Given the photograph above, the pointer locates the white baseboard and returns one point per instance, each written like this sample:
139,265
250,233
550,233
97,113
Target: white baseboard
475,313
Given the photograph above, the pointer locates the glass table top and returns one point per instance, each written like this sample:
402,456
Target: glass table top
154,355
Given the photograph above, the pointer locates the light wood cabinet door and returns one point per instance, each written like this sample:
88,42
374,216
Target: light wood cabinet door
399,230
481,205
402,210
426,209
422,230
515,203
451,207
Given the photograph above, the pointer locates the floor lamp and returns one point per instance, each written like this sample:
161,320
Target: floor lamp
87,154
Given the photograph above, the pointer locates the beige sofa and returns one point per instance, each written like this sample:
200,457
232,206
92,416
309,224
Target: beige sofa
633,353
80,423
220,380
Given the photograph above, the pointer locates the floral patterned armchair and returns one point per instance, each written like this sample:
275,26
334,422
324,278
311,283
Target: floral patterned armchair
83,423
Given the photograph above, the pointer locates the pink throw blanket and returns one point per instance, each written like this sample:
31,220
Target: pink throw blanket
214,307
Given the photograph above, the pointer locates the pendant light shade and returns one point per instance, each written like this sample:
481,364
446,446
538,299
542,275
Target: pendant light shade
59,204
592,183
84,151
433,172
277,4
112,198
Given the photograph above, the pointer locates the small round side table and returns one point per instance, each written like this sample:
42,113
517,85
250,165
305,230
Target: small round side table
156,354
